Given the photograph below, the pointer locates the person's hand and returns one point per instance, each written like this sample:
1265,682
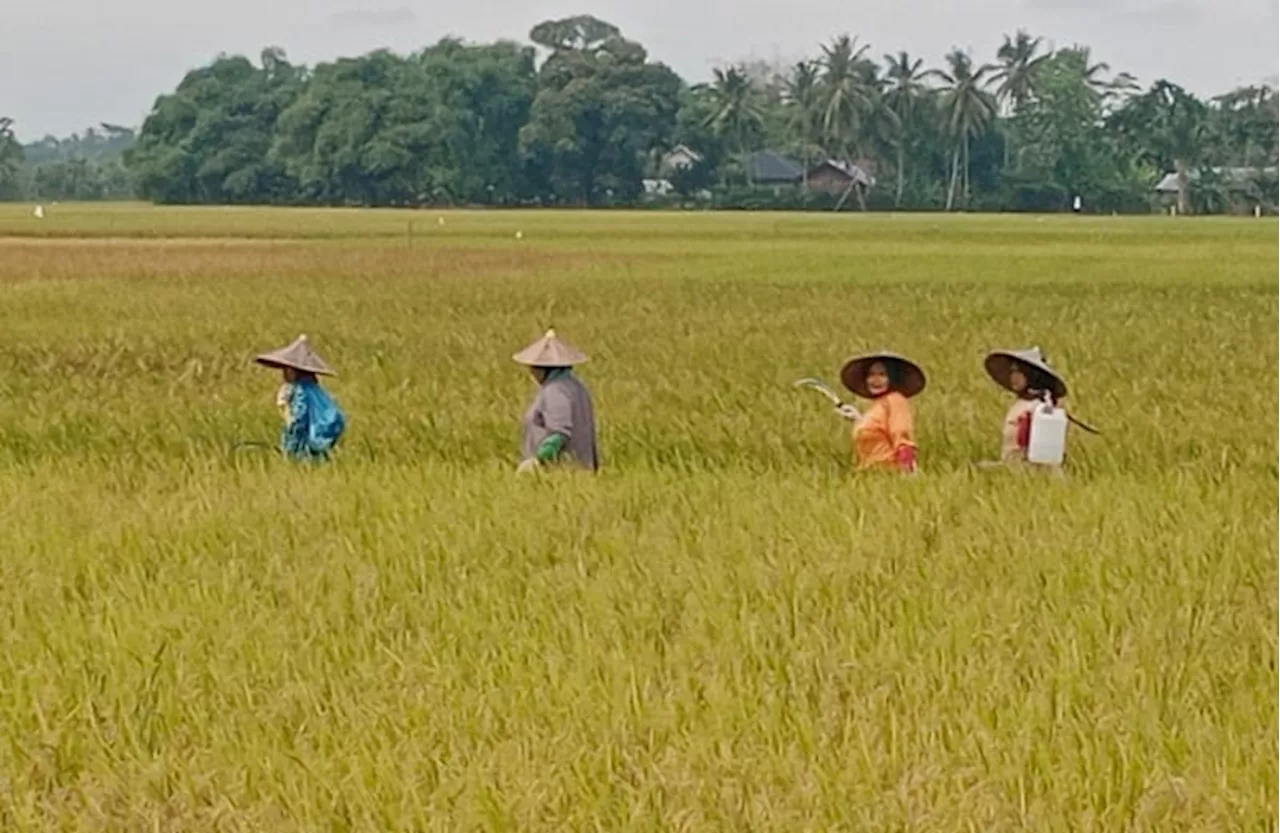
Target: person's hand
528,466
849,412
906,459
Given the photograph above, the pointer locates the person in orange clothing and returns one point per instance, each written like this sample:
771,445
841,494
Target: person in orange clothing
884,436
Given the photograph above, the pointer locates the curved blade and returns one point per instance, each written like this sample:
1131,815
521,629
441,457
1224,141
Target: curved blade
821,387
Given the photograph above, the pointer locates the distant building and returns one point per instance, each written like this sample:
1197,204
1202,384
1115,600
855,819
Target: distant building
834,176
657,187
1243,188
1168,184
772,168
679,157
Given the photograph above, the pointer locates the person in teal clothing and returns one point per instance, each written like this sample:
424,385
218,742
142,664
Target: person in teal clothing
313,422
560,425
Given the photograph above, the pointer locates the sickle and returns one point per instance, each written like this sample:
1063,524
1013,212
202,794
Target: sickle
1084,426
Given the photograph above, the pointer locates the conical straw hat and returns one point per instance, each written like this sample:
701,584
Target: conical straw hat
999,364
908,378
299,356
550,351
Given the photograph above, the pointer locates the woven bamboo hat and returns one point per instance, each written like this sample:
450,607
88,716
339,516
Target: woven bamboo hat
908,378
550,351
299,355
1040,376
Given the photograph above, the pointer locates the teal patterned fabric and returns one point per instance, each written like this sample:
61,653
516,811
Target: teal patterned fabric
314,425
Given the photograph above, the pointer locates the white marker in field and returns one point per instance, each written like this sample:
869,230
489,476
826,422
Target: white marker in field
39,212
519,235
439,221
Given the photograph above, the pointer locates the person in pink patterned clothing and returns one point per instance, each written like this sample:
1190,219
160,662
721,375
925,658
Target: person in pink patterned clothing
1026,374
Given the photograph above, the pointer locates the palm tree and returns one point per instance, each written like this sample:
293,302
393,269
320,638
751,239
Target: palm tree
968,108
903,91
736,114
846,97
801,92
1019,65
1169,125
1092,74
1248,118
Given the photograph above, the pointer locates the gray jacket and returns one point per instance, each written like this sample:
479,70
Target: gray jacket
563,406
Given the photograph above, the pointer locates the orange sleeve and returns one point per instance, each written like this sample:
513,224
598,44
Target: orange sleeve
902,429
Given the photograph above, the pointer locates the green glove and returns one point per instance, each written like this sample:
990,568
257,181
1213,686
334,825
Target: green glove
551,448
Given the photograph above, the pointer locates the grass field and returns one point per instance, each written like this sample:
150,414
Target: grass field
725,630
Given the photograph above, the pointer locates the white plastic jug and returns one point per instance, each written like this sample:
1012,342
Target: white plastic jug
1047,445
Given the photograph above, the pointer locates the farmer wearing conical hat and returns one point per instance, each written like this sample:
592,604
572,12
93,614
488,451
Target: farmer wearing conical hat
883,436
1026,374
313,422
560,425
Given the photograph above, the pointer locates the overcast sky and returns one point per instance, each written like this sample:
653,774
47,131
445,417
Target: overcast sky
67,64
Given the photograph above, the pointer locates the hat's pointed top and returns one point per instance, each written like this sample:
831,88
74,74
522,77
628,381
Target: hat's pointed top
550,351
299,355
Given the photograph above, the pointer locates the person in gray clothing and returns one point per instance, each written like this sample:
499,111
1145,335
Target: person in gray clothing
560,426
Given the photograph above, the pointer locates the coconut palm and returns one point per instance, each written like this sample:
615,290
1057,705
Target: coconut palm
736,114
968,108
1020,62
801,92
1092,75
1172,126
903,91
847,97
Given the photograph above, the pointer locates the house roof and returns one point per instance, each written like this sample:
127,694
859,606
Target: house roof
680,156
1168,183
853,172
684,150
770,166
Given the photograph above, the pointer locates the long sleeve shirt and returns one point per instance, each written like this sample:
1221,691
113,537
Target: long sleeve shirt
560,425
886,428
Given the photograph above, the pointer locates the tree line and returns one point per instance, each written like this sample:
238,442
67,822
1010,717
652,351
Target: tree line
591,122
88,166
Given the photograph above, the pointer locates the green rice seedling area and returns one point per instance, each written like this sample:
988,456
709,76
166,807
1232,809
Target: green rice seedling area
727,629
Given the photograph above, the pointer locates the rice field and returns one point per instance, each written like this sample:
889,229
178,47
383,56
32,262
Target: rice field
727,629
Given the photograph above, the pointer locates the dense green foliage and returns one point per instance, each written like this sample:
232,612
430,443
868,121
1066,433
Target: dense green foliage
457,123
88,166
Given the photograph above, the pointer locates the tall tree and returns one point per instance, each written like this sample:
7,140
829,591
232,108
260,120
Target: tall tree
208,141
1171,127
1247,120
360,131
480,97
737,115
1019,60
802,93
581,33
847,96
1064,147
600,108
1019,63
968,108
11,156
904,90
1092,75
